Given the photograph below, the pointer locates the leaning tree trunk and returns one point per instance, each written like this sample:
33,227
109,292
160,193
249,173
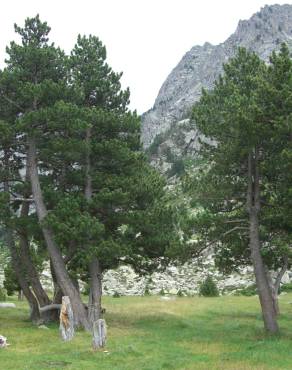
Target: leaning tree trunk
31,272
62,275
58,294
95,273
30,269
17,267
25,256
275,287
253,206
21,278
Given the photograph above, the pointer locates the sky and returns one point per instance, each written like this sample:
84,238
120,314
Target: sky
145,39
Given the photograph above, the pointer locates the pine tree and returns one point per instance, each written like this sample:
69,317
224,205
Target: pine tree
234,182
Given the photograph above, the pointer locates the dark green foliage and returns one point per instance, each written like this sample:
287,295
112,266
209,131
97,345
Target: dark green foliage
249,291
208,288
116,295
153,148
3,294
147,291
177,168
244,111
180,293
77,113
287,287
10,282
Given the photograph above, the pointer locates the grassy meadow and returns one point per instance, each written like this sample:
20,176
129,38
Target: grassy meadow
148,333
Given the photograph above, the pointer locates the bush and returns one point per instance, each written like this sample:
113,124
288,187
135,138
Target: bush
10,283
86,289
177,168
2,295
208,288
248,291
162,292
147,291
180,293
116,295
286,287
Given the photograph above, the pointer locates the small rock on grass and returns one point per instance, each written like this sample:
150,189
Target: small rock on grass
3,342
7,305
167,298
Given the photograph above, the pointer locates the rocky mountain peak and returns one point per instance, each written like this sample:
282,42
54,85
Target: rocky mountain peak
201,66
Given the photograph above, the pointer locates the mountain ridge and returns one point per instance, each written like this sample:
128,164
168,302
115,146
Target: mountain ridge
202,65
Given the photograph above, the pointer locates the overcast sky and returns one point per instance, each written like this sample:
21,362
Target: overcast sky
144,38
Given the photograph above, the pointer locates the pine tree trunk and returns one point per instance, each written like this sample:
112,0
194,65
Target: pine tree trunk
253,207
28,265
95,291
31,273
17,267
265,294
274,292
276,285
95,273
62,275
58,294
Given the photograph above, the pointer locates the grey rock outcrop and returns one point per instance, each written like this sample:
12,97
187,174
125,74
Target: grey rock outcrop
201,66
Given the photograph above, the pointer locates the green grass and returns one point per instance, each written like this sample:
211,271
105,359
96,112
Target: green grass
146,333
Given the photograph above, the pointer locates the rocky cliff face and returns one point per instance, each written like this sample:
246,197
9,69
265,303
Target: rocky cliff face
201,66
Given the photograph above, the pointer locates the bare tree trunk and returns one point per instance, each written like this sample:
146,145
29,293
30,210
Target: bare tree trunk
99,334
253,206
66,320
95,273
62,275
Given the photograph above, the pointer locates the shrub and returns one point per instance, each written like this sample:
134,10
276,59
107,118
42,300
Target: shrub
248,291
10,283
180,293
147,291
86,289
208,288
286,287
2,295
116,295
177,168
162,292
153,148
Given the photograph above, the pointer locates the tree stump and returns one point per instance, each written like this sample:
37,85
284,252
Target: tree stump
66,320
99,334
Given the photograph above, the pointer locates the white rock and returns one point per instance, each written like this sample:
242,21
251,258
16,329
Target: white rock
7,305
3,342
43,327
166,298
